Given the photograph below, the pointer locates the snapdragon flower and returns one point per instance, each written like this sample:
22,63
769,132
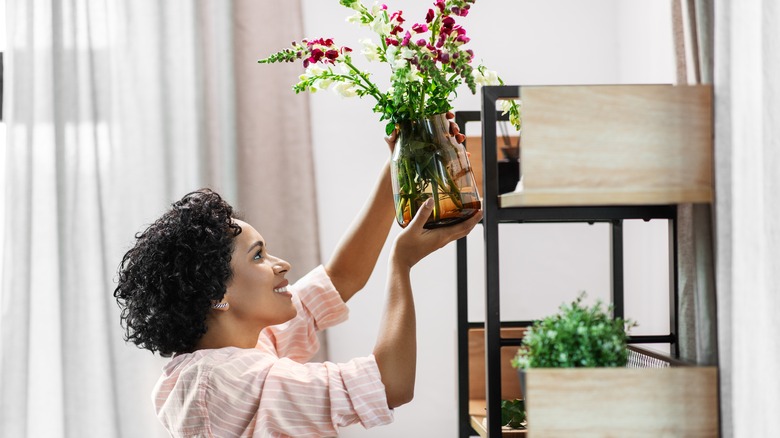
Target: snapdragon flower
345,89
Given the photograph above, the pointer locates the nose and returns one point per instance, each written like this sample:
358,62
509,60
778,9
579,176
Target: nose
281,267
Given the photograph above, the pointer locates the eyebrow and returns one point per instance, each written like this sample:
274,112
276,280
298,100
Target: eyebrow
259,244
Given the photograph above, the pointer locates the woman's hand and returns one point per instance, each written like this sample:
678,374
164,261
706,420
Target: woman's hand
454,131
416,242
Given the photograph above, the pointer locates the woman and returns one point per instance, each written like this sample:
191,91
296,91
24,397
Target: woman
200,285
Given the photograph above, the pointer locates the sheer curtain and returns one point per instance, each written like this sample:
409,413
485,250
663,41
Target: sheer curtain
747,165
114,110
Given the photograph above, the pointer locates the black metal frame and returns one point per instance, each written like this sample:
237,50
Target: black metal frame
493,215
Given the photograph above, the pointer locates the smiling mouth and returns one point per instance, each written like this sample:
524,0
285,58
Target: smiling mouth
281,290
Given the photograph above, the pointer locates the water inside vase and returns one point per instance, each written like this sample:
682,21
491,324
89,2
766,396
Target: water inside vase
447,212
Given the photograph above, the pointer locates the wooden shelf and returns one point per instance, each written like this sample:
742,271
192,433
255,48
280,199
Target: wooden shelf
591,197
477,415
610,145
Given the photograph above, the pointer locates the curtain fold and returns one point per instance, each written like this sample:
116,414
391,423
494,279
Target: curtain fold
747,159
116,109
697,335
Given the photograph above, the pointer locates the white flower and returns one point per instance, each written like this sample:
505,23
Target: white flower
391,53
506,105
407,53
376,8
370,50
414,74
400,63
323,84
312,71
345,89
488,77
380,26
355,18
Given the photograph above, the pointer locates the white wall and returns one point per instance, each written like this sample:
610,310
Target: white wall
528,42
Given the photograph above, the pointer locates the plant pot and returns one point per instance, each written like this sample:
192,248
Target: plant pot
429,163
606,402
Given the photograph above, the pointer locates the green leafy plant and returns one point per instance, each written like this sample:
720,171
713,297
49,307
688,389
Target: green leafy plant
513,413
577,336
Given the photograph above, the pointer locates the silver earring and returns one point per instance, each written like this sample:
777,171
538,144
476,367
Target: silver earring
219,305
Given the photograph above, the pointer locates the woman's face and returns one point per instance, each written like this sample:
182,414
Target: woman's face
258,292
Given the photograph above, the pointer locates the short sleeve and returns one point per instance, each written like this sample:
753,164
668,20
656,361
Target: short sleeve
319,306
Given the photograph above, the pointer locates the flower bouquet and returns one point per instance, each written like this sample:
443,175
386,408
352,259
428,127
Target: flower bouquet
428,61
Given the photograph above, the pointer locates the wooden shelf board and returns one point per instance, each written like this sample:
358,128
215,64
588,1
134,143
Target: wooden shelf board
590,197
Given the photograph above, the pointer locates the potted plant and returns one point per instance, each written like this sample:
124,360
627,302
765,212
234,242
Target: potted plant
577,336
428,60
575,381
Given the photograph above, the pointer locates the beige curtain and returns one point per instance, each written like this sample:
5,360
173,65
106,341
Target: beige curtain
275,167
697,336
114,110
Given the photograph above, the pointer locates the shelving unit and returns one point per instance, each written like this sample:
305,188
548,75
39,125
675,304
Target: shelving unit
574,201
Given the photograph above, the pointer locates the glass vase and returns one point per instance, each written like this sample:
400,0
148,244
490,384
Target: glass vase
429,163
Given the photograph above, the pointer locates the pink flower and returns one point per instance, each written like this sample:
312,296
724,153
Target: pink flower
407,37
421,42
420,28
440,4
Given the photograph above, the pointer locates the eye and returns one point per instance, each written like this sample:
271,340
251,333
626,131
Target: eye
258,255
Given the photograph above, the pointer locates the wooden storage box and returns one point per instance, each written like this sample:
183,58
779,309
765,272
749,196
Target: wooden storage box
622,402
615,144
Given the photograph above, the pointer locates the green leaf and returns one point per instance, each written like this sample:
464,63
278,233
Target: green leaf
389,128
513,413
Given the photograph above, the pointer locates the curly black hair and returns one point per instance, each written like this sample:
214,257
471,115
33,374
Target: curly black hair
179,265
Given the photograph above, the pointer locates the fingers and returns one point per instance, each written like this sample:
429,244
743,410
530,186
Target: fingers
391,139
422,214
455,129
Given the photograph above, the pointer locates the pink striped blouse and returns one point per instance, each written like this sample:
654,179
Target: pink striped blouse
270,391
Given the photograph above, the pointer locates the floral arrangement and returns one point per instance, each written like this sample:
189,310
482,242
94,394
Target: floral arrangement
428,61
577,336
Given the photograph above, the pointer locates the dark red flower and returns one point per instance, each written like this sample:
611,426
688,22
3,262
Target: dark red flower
440,4
421,42
391,41
429,16
332,54
316,55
